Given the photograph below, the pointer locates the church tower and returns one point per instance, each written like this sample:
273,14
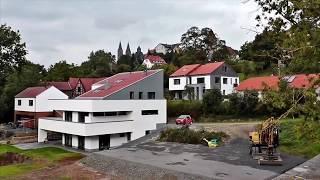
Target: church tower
128,51
120,51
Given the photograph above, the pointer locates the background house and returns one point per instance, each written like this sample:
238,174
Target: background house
118,109
151,60
167,48
33,103
198,78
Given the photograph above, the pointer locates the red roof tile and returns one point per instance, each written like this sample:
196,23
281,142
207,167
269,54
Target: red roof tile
88,82
259,83
206,69
155,59
31,92
185,70
116,83
303,80
63,86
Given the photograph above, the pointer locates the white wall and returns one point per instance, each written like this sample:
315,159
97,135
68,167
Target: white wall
116,140
147,63
25,104
42,104
75,141
229,87
183,82
91,142
206,80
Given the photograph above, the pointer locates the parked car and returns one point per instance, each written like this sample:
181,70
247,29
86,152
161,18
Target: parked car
184,120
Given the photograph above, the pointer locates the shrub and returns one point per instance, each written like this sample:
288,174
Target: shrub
189,136
178,107
212,100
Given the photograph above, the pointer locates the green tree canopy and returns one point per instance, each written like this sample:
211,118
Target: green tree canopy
61,71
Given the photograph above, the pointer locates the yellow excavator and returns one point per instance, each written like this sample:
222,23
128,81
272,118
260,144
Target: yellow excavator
265,140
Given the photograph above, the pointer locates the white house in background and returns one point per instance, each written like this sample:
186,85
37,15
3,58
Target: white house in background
191,81
167,48
151,60
118,109
33,102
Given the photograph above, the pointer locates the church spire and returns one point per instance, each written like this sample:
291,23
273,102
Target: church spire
120,51
128,51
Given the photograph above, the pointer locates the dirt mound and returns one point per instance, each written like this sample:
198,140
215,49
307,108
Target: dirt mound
12,158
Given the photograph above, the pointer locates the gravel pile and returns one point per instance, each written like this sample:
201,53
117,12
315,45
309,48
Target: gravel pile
131,170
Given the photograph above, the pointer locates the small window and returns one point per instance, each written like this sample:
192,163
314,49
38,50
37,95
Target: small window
79,89
68,116
30,102
131,95
224,92
225,69
140,95
225,80
147,132
236,81
151,95
200,80
149,112
176,81
129,136
122,134
217,80
19,102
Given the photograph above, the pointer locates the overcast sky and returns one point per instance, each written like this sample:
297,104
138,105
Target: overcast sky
70,30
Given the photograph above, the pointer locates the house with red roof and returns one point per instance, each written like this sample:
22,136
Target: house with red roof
33,103
260,84
75,86
116,110
198,78
151,60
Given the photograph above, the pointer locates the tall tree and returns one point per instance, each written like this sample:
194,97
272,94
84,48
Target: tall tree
61,71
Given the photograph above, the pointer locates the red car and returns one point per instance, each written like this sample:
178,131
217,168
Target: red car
184,120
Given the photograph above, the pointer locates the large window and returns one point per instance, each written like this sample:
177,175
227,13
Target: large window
19,102
81,142
30,102
68,140
176,81
131,95
149,112
111,113
68,116
151,95
140,95
225,80
217,80
81,116
200,80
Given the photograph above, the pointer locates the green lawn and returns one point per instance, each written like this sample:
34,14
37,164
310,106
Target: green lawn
298,137
40,158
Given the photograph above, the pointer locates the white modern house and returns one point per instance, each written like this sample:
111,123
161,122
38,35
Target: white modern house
191,81
32,103
152,60
118,109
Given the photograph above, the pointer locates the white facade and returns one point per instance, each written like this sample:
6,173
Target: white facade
183,81
161,49
134,122
147,63
40,102
228,85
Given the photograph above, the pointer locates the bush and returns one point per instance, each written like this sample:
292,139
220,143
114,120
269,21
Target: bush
179,107
212,100
188,136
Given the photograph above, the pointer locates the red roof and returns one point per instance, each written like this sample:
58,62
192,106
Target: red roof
63,86
185,70
155,59
31,92
197,69
116,83
303,80
86,82
259,83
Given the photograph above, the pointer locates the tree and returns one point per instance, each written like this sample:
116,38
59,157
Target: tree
61,71
100,64
212,100
168,69
12,52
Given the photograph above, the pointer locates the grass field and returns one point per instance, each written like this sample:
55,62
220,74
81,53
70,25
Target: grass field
40,158
301,138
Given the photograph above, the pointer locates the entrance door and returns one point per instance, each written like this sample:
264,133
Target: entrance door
81,142
104,141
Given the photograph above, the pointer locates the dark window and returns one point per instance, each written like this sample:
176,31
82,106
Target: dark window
122,134
140,95
129,136
68,140
122,113
151,95
149,112
225,80
200,80
19,102
131,95
217,80
147,132
79,90
225,69
236,81
98,114
176,81
110,113
81,116
30,102
224,92
68,116
203,90
81,142
235,85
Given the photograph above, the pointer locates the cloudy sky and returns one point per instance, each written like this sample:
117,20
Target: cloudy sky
70,30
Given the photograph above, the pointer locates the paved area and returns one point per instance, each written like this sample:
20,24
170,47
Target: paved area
308,170
185,161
